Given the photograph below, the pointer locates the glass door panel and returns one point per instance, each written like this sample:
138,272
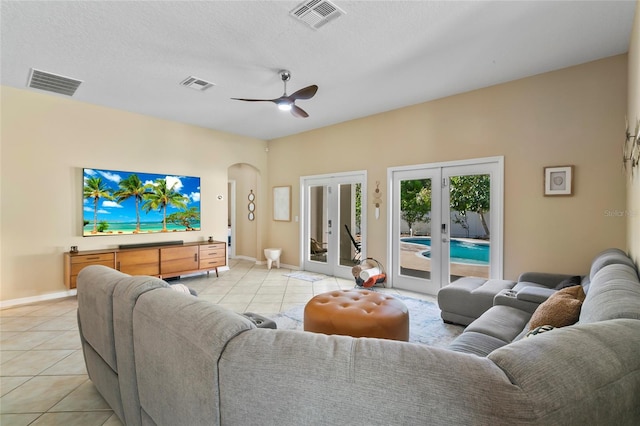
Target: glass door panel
414,256
317,247
415,228
469,213
350,220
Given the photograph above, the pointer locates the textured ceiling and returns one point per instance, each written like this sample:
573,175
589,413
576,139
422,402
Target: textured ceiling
379,56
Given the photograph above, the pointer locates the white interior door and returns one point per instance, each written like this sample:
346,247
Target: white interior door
333,223
446,223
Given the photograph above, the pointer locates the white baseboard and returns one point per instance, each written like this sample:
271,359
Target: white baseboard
252,259
282,265
41,298
264,262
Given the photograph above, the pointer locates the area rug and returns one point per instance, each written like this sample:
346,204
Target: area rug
306,276
425,325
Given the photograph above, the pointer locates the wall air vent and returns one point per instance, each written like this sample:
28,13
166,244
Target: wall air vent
196,83
52,82
316,13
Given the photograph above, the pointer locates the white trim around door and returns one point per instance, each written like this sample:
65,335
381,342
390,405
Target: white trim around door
328,211
437,177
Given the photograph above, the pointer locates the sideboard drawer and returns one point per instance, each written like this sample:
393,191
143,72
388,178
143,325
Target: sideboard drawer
212,263
213,255
92,258
75,263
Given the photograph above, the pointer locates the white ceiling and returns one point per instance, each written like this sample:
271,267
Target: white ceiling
379,56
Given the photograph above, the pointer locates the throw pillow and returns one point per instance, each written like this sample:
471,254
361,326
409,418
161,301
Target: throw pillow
569,282
561,309
180,288
539,330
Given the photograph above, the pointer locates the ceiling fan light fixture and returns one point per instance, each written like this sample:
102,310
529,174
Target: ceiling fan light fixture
288,102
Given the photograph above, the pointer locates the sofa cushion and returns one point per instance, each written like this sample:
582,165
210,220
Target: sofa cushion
467,298
560,309
614,293
479,344
501,322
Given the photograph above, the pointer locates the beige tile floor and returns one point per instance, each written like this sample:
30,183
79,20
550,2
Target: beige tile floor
43,380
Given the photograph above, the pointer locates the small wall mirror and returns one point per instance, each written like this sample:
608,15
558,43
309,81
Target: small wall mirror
251,206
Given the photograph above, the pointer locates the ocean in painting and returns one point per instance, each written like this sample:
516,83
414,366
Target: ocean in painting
129,228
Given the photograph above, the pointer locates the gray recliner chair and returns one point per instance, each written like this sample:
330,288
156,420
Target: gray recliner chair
105,311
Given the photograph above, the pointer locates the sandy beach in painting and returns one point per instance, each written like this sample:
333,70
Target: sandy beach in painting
130,228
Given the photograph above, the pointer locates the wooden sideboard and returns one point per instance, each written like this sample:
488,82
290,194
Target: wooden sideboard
159,260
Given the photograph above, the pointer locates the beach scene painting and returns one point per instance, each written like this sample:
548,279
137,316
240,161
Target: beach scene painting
118,202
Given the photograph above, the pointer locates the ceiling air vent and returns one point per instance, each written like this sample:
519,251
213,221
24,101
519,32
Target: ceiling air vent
196,83
52,82
316,13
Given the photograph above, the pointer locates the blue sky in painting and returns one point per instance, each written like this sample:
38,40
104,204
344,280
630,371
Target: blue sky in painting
111,211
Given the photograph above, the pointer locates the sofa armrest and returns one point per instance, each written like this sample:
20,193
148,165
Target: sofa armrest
535,294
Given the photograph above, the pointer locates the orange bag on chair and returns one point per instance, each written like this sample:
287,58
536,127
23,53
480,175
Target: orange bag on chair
374,280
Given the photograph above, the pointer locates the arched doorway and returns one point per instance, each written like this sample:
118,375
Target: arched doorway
243,219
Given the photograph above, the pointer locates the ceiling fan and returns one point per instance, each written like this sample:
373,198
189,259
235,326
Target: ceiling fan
288,102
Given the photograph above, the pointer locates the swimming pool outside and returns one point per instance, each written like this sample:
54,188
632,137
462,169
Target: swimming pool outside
461,251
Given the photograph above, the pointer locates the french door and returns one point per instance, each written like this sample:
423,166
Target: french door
446,223
333,222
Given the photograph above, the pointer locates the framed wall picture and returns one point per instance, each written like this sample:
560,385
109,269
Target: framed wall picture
558,180
282,203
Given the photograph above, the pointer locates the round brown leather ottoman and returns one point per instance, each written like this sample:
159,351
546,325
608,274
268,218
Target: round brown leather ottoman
357,313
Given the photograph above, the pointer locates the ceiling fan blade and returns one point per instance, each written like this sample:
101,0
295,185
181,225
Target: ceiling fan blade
256,100
305,93
296,111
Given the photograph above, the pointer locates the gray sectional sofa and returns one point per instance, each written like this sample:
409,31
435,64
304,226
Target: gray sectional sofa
611,284
166,358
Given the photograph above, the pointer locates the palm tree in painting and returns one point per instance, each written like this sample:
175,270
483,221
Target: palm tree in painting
94,189
161,197
132,187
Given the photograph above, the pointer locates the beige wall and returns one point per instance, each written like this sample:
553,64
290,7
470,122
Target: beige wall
633,112
47,140
572,116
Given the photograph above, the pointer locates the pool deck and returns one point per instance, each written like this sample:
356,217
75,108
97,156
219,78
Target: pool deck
410,258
